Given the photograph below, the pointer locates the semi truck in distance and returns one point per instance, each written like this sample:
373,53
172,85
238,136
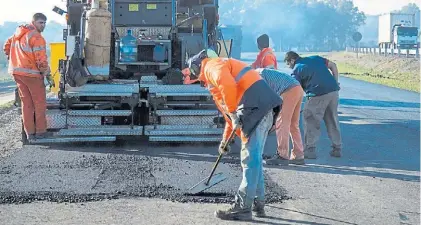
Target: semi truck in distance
398,31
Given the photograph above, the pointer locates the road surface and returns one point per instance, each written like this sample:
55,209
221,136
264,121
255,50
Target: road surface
375,182
7,91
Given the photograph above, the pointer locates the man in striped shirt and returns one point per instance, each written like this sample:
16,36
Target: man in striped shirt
288,121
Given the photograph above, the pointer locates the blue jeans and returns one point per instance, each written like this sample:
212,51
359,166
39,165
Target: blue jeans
253,183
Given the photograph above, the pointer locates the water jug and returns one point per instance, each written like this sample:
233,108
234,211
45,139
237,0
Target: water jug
128,48
159,53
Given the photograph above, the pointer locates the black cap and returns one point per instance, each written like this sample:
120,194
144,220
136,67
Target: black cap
263,41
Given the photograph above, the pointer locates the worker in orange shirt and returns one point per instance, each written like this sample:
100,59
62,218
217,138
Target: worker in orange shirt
266,57
26,51
247,103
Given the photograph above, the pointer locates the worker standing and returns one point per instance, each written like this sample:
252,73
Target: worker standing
250,103
287,123
266,57
322,91
26,51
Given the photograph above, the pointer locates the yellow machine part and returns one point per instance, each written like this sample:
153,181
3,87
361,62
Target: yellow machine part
58,51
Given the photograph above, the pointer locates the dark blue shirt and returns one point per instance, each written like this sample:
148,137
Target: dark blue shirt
314,76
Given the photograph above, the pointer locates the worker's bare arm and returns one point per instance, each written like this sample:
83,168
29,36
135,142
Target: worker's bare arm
332,67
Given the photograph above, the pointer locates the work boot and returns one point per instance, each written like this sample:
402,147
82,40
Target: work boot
297,161
259,208
234,212
30,137
44,135
264,156
310,153
335,153
277,160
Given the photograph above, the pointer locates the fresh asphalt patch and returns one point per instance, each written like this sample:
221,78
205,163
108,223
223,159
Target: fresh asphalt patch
81,174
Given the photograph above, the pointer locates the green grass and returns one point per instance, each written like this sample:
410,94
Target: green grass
7,105
5,79
406,80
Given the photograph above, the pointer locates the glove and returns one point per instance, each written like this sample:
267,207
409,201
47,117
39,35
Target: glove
235,120
223,150
50,80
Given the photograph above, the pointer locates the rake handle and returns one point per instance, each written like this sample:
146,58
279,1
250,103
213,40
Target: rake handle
220,155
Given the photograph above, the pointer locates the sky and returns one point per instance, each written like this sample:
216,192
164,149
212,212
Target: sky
371,7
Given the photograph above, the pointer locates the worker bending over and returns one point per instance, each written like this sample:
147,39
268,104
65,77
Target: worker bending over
266,58
28,64
251,105
322,88
288,120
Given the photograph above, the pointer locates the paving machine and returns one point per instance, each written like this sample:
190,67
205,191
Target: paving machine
119,72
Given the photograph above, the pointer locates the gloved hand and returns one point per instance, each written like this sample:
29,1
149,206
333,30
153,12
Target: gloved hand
50,80
235,120
223,150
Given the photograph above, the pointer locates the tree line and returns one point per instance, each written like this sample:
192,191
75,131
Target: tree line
304,24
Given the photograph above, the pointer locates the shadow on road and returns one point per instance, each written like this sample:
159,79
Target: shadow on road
281,221
372,148
310,167
308,214
378,103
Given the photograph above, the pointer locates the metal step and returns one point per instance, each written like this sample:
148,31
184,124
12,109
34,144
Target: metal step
178,127
174,89
183,139
99,112
187,120
203,112
117,88
181,132
190,104
73,139
102,131
196,94
178,90
98,94
56,119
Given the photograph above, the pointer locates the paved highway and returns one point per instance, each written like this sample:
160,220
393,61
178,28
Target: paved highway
6,91
375,182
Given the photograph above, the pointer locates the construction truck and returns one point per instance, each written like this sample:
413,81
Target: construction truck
118,73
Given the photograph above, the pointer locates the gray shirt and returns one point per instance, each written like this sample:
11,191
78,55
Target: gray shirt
277,80
258,100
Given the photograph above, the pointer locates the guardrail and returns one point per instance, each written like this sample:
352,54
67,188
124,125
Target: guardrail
409,53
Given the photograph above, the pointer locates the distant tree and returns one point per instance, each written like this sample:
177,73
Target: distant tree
304,24
3,59
411,8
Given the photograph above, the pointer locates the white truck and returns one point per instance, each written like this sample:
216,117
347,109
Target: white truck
398,31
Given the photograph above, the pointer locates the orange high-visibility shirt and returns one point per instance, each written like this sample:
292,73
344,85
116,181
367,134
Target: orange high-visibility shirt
266,59
26,51
227,81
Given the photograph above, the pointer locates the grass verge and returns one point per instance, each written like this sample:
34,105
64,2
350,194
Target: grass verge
6,105
400,80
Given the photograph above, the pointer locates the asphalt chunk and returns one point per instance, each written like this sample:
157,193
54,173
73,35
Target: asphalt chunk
10,132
